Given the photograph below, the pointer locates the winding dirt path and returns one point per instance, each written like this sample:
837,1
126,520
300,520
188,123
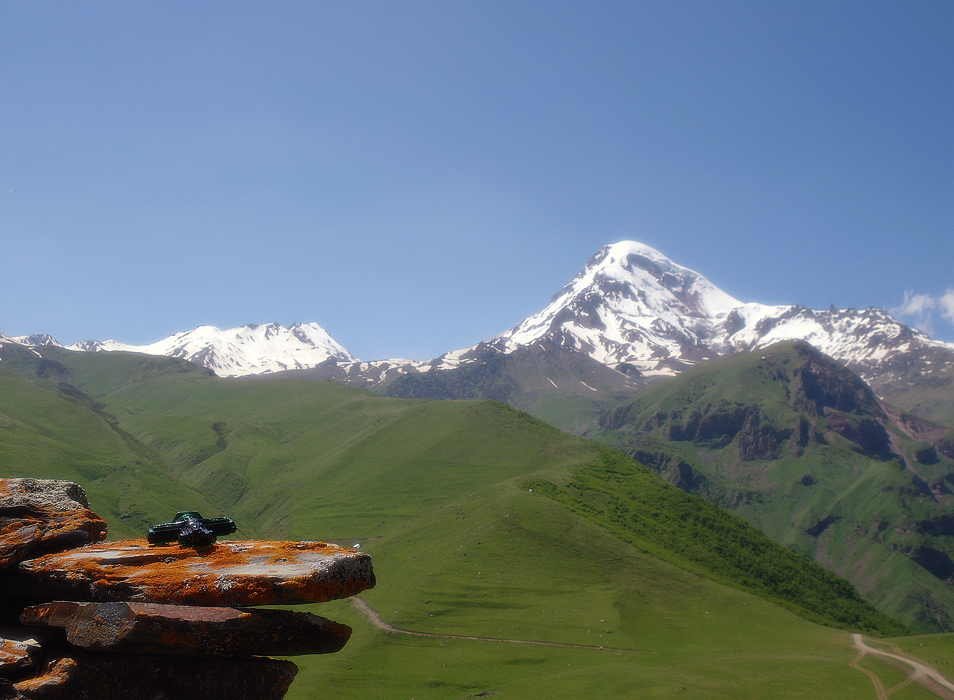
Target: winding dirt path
926,676
918,672
362,606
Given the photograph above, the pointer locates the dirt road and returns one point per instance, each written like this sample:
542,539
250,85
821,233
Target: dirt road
919,672
375,619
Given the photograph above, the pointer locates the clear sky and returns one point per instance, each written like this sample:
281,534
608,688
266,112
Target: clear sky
419,176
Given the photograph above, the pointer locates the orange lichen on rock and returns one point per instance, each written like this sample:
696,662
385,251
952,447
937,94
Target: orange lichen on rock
14,657
226,574
28,530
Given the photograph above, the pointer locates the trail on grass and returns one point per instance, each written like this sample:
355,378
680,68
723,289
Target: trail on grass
375,619
918,672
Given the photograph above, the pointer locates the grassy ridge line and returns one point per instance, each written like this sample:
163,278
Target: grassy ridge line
639,508
309,458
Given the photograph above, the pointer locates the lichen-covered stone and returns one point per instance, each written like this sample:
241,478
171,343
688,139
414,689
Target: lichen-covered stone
228,574
150,628
15,657
91,676
29,531
38,516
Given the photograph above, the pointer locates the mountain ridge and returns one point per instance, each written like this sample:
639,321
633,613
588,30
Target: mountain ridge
250,349
630,308
631,304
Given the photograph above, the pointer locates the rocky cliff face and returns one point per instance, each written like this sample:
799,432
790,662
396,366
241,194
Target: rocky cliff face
133,621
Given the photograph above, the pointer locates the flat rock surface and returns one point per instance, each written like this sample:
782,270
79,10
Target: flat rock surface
150,628
227,574
139,677
28,531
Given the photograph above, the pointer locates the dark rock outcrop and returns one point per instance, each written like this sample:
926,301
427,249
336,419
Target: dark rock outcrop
186,630
82,676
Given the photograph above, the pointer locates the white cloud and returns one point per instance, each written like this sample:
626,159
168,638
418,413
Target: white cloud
916,304
946,303
921,310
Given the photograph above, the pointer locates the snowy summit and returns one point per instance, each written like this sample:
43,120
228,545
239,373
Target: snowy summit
249,349
632,305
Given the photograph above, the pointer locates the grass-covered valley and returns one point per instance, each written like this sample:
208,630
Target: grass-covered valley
483,521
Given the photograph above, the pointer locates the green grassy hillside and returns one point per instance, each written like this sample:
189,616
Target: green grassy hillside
513,564
58,433
439,494
801,448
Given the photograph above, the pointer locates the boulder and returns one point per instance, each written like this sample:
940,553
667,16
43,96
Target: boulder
51,494
89,676
38,516
228,574
150,628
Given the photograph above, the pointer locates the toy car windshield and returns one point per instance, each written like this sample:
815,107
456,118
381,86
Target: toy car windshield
190,529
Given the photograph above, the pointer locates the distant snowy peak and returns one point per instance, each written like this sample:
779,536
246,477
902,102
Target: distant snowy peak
634,308
35,340
630,303
250,349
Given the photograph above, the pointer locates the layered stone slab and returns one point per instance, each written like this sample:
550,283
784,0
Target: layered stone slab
15,657
142,677
44,515
228,574
151,628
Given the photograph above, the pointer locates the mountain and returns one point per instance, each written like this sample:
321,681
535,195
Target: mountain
631,306
800,446
249,349
633,310
563,387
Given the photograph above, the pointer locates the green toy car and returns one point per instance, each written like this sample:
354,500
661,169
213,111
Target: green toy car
191,530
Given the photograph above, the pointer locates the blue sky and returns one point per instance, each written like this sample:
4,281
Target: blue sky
419,176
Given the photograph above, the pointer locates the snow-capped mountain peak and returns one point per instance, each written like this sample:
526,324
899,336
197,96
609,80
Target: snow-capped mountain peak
631,305
249,349
640,265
